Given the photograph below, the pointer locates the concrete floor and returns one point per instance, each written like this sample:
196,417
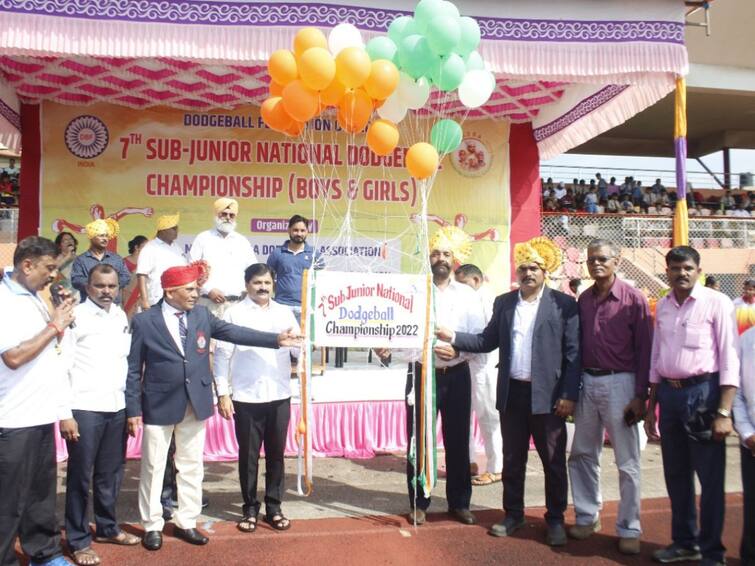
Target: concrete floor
377,486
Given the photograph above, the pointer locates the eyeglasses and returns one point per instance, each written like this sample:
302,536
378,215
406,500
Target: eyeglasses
599,259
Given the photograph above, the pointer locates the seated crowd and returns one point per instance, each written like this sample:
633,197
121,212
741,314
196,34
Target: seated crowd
599,196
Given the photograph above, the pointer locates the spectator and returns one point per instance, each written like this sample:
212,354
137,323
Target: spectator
657,187
591,202
637,193
712,283
613,188
663,198
648,199
626,204
728,201
567,201
602,187
65,246
613,204
560,191
741,211
551,205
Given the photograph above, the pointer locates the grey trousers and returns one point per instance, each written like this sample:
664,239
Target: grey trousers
600,408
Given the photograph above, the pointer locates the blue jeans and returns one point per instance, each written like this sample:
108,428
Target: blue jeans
683,457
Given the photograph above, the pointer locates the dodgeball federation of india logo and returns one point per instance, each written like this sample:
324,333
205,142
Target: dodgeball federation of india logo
472,158
86,136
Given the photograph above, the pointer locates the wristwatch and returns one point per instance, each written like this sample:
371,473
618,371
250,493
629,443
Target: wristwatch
723,413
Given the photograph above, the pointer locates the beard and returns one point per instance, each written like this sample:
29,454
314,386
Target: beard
225,226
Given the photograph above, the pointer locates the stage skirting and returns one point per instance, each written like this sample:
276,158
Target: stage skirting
349,430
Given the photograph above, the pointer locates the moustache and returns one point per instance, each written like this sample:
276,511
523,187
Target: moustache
263,292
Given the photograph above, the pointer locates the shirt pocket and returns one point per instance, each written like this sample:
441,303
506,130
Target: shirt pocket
697,336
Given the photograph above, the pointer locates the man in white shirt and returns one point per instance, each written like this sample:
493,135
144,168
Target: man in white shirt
228,254
259,382
32,375
456,307
96,431
156,256
484,371
744,422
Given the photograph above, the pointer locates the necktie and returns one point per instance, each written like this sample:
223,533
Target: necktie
182,330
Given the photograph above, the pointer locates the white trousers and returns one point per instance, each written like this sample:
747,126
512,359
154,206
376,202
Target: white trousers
484,390
189,461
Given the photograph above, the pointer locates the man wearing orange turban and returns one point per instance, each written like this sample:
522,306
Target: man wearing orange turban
100,232
228,254
536,330
169,391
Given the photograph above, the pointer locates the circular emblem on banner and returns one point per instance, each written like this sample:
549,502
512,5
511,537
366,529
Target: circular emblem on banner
472,158
86,136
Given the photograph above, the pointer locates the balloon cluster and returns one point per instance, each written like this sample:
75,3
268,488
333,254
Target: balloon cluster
392,74
320,73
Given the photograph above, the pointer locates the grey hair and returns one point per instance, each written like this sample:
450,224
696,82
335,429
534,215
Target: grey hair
601,243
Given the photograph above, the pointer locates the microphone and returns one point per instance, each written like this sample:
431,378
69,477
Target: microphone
56,298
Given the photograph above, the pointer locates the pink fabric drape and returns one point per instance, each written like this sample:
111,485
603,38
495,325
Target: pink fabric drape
349,430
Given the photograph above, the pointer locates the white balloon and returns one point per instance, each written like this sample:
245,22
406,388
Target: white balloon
476,88
393,109
413,94
343,36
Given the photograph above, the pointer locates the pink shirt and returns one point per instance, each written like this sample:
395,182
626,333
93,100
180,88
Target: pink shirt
698,336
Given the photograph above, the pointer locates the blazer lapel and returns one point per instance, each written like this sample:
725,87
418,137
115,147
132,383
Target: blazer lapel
509,308
156,315
543,309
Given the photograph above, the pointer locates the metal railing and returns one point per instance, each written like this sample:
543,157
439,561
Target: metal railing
644,241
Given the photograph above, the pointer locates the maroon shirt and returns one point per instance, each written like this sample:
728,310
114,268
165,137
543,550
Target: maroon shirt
617,333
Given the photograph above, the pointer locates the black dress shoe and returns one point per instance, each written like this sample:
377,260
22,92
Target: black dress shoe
153,540
507,527
463,516
192,536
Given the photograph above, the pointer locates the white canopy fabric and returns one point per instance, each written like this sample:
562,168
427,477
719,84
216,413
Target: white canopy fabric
574,68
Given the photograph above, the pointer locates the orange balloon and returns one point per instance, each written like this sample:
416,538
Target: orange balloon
300,102
355,110
282,66
306,38
333,93
353,66
422,160
317,68
276,89
382,137
383,79
274,114
295,129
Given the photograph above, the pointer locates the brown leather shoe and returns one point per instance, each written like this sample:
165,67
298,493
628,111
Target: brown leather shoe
581,532
629,545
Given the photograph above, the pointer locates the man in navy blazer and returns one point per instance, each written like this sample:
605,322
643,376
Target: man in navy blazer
169,391
537,332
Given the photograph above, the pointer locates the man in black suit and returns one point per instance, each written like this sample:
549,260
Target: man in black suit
169,387
537,331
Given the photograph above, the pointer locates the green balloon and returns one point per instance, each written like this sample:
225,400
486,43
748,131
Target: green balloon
445,136
381,47
443,33
415,56
474,61
448,72
470,36
400,28
425,11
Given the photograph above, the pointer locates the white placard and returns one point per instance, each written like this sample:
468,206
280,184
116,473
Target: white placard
375,310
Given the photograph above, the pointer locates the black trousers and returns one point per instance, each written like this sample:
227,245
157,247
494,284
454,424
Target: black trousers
549,433
747,549
27,493
684,457
99,454
255,424
453,398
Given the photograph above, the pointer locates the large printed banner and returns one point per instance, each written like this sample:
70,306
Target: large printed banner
134,165
378,310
